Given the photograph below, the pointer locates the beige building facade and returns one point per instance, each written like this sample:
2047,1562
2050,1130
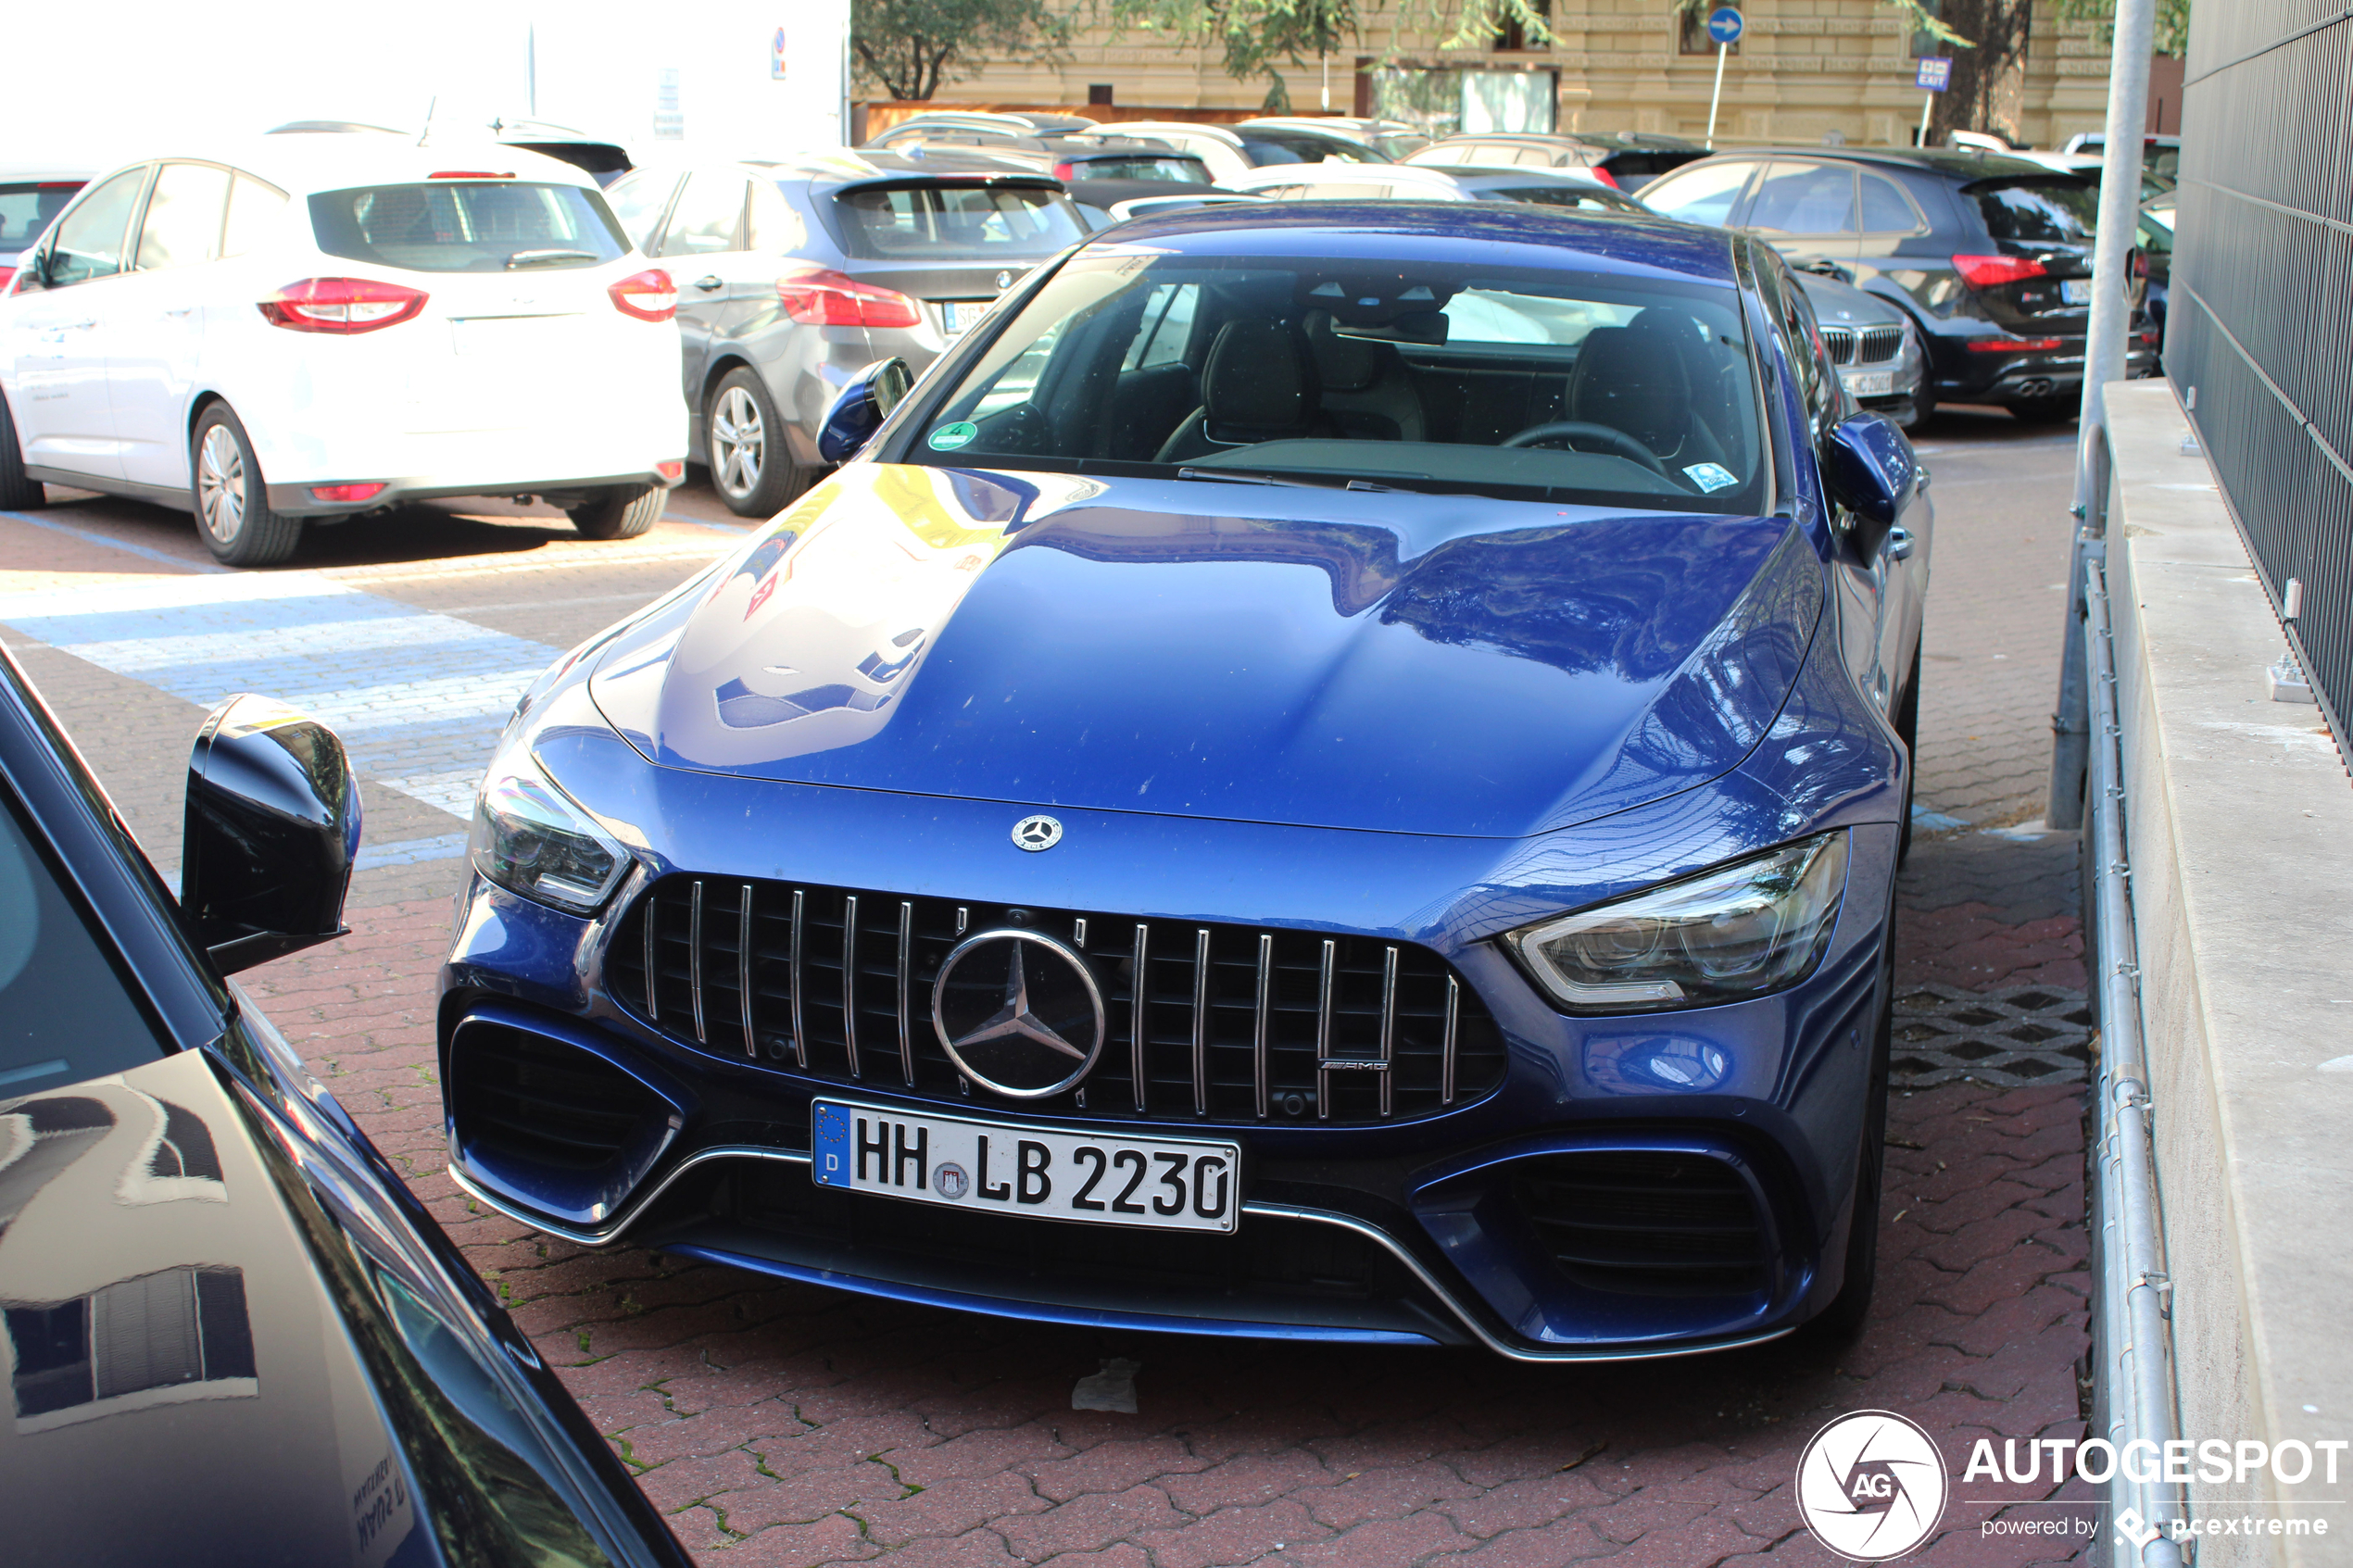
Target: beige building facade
1804,71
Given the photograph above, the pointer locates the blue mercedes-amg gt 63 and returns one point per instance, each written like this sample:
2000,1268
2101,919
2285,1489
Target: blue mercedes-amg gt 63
1332,771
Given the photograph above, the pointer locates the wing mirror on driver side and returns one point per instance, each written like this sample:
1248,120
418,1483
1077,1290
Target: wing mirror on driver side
272,830
861,407
1870,469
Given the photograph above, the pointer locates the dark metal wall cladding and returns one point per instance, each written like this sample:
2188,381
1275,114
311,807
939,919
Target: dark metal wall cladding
2261,324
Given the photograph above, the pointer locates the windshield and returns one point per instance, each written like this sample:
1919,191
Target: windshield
65,1014
881,224
25,208
2055,212
1447,376
1265,148
468,226
1176,170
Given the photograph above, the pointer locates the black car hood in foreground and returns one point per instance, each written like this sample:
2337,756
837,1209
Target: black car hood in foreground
1391,661
214,1359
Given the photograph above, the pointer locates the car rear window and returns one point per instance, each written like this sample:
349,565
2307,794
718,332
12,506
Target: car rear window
1265,148
468,226
2057,211
883,222
27,207
1177,170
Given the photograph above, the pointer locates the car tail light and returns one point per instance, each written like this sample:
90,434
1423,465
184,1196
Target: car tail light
2150,339
816,296
649,296
468,174
345,491
1065,171
1991,271
672,472
2012,344
1604,176
342,306
8,283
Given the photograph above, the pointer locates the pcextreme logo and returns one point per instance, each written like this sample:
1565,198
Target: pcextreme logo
1871,1485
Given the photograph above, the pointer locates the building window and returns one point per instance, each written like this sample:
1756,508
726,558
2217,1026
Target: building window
1099,92
1924,43
1511,33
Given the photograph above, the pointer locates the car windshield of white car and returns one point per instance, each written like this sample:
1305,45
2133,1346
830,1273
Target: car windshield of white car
1603,387
1175,171
468,226
984,223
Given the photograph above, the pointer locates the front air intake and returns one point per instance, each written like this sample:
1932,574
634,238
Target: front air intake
1647,1224
549,1121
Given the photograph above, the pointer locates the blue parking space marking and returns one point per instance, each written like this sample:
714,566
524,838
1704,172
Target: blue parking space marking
419,697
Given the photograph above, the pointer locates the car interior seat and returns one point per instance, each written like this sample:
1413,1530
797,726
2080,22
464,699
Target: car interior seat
1636,379
1259,384
1368,392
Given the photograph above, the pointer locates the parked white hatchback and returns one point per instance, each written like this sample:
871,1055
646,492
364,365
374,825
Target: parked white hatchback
317,327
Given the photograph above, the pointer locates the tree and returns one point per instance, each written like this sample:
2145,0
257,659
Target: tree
910,47
1255,36
2172,31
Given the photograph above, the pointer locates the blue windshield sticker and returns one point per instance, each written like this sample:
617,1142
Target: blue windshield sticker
1710,477
947,438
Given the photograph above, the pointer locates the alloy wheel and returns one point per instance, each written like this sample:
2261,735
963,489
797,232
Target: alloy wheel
738,441
220,483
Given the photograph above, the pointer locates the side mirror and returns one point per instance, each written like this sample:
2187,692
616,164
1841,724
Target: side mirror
273,830
1869,468
861,407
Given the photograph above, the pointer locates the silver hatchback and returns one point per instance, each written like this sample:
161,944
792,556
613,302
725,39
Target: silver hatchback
793,277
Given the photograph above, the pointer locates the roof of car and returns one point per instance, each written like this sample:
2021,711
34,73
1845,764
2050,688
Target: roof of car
862,166
1502,235
300,164
1958,166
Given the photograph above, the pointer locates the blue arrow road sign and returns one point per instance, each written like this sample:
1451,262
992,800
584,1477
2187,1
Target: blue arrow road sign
1724,24
1935,75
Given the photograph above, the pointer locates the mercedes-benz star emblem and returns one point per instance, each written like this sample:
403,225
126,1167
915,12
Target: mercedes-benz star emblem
1019,1013
1037,832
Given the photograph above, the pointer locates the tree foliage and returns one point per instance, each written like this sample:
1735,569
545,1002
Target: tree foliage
910,47
1256,37
2172,32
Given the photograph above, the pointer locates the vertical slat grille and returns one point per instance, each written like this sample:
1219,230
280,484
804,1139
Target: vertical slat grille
1234,1023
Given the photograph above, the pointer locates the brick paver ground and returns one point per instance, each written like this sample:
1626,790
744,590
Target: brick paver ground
785,1425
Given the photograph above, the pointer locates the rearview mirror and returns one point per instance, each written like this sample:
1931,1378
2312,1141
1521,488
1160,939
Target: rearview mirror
1869,468
861,407
273,830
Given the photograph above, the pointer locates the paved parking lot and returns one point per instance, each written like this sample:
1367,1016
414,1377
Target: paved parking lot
786,1424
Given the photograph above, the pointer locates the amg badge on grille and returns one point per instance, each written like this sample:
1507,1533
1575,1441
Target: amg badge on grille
1037,832
1018,1013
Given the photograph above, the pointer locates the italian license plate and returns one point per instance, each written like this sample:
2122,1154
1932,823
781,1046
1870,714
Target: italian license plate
1871,383
959,314
2075,291
956,1162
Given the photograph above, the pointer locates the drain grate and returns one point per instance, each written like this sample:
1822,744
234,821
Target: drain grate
2009,1039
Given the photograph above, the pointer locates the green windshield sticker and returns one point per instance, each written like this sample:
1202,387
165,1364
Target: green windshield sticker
947,438
1710,477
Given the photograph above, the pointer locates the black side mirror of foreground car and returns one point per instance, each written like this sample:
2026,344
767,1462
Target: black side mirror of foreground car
273,830
861,407
1869,468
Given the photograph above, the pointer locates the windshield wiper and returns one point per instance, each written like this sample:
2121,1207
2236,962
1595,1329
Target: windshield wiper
541,257
1254,476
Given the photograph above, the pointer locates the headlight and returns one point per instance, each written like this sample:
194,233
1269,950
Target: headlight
1738,931
529,838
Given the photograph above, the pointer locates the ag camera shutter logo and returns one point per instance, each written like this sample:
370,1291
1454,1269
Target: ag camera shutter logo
1871,1485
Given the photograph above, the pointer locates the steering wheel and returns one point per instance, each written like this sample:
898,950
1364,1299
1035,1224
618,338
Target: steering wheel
1610,436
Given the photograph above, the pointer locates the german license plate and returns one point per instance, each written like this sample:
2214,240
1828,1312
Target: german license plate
1871,383
956,1162
2075,291
959,314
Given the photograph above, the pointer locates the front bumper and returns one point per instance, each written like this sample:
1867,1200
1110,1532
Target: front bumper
1436,1225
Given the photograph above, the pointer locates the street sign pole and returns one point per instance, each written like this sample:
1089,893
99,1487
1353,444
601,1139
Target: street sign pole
1724,26
1933,75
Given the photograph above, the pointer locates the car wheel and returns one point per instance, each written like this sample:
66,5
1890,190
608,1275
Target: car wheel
18,492
1843,1319
231,500
1908,725
744,438
2046,410
624,511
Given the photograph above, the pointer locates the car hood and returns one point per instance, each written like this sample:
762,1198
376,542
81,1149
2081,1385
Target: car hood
1429,664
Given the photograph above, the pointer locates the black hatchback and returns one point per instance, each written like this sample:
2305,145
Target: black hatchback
1989,256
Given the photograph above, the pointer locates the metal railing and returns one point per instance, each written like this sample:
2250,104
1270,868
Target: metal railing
2256,344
